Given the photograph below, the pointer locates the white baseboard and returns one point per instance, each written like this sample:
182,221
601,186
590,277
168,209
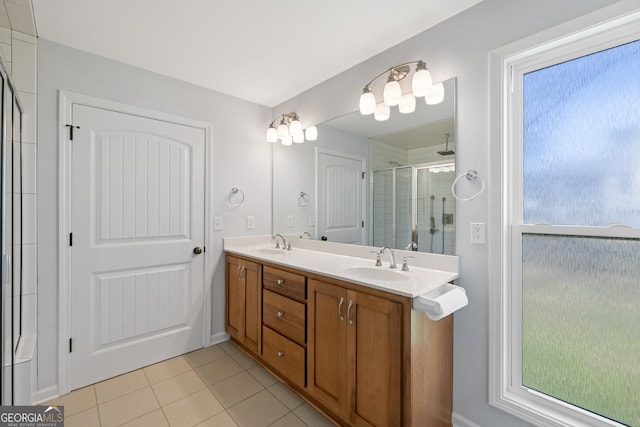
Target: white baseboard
219,337
460,421
45,395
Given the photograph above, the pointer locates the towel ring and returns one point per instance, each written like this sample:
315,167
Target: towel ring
471,175
236,196
303,199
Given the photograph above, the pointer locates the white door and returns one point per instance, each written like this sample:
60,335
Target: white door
137,213
340,192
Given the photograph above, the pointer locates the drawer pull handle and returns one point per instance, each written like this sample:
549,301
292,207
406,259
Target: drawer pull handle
340,308
280,282
279,354
349,312
281,314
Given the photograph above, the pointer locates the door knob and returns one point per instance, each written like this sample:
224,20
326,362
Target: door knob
197,250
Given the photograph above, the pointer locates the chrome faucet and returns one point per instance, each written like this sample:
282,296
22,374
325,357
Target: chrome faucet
284,241
392,264
305,234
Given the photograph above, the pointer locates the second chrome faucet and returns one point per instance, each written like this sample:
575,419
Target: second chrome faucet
392,263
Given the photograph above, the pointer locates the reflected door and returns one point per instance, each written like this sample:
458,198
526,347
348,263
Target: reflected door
340,193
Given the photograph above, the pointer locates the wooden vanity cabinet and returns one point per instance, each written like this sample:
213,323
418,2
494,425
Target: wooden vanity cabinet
244,302
360,355
355,354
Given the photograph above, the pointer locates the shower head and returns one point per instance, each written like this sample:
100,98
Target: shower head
446,151
395,163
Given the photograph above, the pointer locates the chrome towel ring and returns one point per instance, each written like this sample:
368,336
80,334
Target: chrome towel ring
471,175
235,196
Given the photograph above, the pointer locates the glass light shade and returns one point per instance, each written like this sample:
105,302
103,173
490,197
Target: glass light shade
283,131
421,83
298,137
367,103
311,133
407,103
382,112
437,94
272,134
392,93
287,140
295,127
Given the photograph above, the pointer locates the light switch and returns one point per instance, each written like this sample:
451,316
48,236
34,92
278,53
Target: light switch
217,223
251,222
290,221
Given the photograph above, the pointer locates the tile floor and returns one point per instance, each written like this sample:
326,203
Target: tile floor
214,386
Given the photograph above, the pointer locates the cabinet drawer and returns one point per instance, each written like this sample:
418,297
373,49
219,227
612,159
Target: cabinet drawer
284,315
285,356
283,282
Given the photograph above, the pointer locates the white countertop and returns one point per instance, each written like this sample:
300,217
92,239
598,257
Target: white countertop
353,263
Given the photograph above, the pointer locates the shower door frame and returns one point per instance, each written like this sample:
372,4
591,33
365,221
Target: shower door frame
414,197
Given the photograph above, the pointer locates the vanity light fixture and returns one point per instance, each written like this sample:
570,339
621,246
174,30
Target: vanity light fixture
421,86
290,130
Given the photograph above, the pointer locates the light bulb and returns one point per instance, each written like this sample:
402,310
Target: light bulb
283,130
287,140
295,127
272,134
437,94
382,112
311,133
298,137
392,93
367,102
407,103
422,81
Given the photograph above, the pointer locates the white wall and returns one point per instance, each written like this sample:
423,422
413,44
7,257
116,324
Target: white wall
458,48
241,159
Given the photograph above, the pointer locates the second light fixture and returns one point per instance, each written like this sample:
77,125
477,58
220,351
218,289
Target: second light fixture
290,130
421,86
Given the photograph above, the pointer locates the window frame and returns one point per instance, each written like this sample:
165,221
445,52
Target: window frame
507,68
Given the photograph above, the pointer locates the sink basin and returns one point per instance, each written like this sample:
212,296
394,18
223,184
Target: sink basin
376,273
270,251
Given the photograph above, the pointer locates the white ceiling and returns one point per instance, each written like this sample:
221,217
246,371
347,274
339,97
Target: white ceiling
258,50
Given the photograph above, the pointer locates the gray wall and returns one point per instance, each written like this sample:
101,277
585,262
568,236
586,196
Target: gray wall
241,158
458,48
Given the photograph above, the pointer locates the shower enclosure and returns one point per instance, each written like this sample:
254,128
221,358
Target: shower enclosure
413,208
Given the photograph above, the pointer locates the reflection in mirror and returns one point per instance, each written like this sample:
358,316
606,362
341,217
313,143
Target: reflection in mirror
405,200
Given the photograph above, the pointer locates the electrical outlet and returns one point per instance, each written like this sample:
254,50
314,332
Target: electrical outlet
312,221
217,223
251,222
478,233
290,221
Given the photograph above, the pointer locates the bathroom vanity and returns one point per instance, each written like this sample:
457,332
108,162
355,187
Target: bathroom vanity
342,332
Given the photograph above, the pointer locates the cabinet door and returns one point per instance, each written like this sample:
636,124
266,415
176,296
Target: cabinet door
252,305
327,345
235,298
243,301
374,352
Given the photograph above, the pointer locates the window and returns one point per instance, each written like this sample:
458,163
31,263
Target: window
566,325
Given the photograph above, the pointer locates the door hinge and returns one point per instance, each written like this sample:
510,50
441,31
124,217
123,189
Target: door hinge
363,173
363,223
70,239
71,127
70,345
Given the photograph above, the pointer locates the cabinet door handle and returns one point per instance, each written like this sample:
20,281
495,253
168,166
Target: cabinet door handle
280,354
349,312
280,314
340,308
280,282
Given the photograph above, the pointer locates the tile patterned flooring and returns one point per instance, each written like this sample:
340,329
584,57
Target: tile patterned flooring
214,386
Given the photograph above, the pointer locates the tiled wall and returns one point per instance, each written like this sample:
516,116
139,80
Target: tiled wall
19,53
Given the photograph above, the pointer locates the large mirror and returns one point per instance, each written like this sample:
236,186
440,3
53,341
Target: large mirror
373,183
